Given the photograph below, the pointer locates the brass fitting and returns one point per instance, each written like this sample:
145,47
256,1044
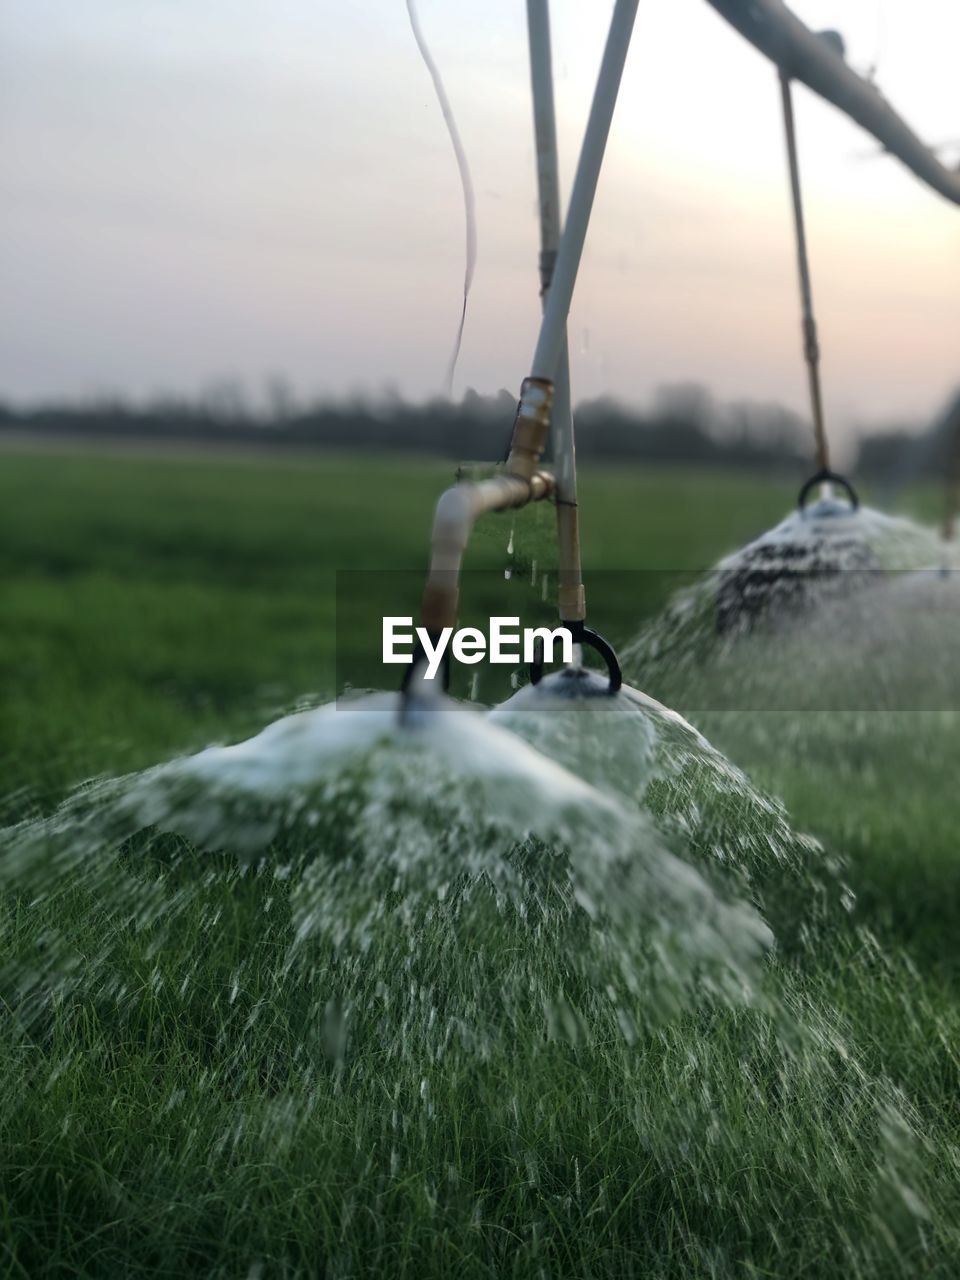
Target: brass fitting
531,427
573,603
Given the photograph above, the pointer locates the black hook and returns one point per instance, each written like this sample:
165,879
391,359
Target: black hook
581,634
826,476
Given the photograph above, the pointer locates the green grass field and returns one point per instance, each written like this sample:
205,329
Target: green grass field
150,605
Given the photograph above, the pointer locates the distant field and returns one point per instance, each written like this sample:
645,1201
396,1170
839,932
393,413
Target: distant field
151,604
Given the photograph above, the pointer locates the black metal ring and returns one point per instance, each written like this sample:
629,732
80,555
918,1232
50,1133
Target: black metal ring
826,476
581,634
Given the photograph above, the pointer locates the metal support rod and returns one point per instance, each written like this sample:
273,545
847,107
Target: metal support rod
950,508
546,359
811,348
545,135
572,602
952,495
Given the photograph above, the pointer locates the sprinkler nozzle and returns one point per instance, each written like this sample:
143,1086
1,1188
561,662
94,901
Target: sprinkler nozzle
583,635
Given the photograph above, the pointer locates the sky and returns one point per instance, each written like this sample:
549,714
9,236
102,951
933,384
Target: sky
195,191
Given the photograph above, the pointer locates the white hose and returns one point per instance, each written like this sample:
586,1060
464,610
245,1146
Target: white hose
466,182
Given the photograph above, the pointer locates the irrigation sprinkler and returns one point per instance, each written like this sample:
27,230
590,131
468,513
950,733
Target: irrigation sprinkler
523,481
777,571
821,538
576,679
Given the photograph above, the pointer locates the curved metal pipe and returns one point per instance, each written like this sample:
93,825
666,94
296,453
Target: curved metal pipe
803,55
457,512
459,508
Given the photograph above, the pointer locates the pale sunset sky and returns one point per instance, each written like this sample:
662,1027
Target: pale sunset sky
200,189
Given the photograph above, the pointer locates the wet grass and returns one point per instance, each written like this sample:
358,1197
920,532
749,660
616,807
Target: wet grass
213,1111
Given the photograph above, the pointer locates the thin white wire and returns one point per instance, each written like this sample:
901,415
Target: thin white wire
469,201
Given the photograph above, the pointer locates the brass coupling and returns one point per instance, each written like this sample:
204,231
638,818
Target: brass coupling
531,427
573,603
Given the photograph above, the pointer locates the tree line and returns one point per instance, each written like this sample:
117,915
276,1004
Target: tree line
684,424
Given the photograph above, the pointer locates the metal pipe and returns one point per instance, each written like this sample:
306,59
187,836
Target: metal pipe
459,508
801,54
952,495
546,358
545,136
811,347
531,427
571,597
457,512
